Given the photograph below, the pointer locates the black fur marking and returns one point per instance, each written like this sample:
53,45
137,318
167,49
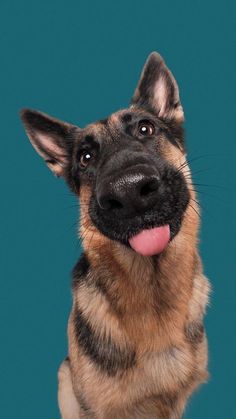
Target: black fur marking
127,117
169,207
112,299
194,332
175,134
51,161
102,350
88,138
85,407
169,400
80,270
103,121
101,287
40,122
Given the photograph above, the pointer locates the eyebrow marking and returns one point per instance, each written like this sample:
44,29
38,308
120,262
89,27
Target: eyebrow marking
89,137
127,117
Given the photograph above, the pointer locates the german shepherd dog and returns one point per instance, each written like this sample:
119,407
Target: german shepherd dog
137,346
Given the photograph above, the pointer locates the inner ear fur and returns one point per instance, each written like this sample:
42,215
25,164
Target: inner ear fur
51,138
158,91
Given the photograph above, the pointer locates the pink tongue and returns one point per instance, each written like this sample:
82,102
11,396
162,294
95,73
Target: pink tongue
151,242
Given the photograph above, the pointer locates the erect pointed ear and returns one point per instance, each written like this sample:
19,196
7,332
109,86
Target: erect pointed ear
158,90
51,138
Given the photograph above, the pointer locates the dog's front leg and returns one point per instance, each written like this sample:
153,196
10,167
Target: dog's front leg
68,403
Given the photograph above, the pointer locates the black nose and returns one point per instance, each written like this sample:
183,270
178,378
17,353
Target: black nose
130,193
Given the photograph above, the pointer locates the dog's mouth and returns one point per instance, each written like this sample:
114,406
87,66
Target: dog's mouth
147,234
146,229
150,242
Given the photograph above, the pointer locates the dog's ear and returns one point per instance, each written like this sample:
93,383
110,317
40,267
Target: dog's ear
51,138
158,90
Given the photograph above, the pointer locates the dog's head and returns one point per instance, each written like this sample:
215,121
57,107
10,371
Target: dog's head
126,169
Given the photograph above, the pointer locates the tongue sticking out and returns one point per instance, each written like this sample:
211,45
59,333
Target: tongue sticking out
151,242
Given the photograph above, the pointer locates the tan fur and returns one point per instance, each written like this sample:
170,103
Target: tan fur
167,363
68,403
137,346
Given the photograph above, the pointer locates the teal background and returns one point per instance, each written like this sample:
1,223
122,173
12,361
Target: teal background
80,61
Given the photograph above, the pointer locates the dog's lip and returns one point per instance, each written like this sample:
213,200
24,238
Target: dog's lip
151,241
122,229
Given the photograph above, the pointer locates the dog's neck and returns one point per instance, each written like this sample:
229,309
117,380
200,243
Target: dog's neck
143,289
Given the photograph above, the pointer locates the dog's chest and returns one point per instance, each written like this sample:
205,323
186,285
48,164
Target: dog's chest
154,375
165,371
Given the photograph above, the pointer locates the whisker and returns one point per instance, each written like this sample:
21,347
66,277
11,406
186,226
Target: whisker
209,186
192,160
195,209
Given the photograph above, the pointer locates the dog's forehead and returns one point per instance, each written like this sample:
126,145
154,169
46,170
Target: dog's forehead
114,123
125,116
119,118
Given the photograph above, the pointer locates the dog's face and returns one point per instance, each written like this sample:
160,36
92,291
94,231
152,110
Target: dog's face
126,169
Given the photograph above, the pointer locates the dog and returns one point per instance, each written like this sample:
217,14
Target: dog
137,344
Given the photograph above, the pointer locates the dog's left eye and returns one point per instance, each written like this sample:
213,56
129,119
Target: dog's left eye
146,128
85,159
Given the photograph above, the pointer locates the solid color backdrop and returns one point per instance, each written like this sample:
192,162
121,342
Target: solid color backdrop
80,61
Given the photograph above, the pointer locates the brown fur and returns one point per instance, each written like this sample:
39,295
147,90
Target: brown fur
137,346
153,308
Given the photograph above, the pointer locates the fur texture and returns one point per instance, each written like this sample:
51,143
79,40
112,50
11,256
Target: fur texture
137,345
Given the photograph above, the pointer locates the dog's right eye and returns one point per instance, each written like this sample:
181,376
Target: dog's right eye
85,159
146,128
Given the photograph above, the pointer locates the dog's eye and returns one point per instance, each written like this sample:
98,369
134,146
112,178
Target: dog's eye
85,158
146,128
